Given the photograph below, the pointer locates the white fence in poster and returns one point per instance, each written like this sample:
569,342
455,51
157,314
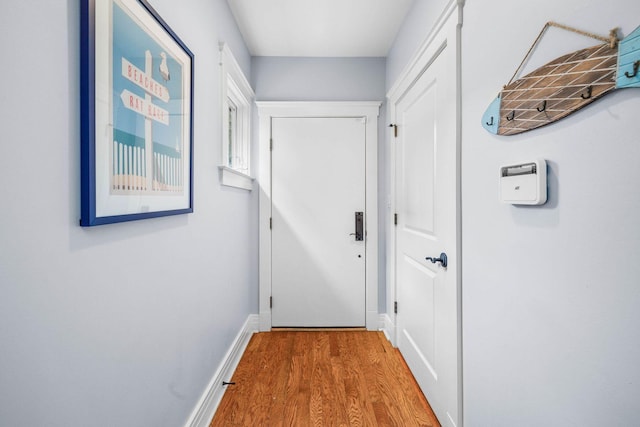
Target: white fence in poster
167,173
130,174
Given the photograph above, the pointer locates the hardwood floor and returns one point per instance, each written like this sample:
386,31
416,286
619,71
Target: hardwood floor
323,378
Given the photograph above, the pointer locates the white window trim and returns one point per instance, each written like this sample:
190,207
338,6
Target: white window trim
234,86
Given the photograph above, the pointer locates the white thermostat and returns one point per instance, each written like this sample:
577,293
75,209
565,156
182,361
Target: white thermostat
524,184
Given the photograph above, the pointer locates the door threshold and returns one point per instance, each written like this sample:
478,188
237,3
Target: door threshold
319,329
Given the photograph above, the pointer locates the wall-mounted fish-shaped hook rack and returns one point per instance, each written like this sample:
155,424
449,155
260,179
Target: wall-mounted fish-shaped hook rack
564,86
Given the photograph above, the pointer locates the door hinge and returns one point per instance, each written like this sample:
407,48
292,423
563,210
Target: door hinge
395,219
270,302
395,307
395,129
270,223
271,144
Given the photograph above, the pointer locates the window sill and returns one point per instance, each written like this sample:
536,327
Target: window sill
233,178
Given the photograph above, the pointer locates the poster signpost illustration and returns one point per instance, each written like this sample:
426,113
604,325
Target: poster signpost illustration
136,115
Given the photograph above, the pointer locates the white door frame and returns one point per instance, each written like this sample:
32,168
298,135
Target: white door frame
445,33
368,110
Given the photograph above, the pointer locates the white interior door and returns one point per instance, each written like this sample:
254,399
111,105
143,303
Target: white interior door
426,201
317,186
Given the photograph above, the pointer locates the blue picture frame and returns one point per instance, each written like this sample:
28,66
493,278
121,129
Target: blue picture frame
136,113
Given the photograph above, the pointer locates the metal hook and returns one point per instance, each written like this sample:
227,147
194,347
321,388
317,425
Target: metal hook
511,116
636,65
544,106
589,90
490,124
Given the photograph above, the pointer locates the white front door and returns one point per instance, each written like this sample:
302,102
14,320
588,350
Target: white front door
317,186
426,201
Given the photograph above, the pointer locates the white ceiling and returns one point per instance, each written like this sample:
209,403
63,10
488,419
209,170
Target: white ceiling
320,28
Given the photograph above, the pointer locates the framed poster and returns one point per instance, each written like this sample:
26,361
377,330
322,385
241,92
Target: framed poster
136,114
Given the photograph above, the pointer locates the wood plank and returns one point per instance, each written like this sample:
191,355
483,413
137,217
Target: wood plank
320,378
299,391
282,353
629,61
567,84
354,355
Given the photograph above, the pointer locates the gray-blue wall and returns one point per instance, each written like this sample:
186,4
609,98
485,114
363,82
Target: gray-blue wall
550,293
124,324
318,79
330,79
415,28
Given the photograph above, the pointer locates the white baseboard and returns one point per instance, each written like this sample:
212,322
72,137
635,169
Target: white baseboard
388,327
208,403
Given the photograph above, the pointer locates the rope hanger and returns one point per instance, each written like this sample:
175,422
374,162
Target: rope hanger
612,40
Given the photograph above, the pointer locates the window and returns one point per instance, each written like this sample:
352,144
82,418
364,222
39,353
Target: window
237,97
232,141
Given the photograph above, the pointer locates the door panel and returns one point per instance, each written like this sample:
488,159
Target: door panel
419,160
426,167
420,284
318,184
